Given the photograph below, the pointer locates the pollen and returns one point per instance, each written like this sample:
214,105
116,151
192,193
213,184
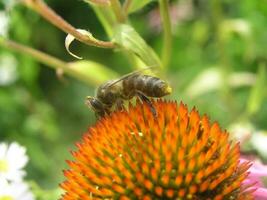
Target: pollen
176,155
3,166
168,90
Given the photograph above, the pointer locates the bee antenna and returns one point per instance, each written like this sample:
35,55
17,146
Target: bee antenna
88,101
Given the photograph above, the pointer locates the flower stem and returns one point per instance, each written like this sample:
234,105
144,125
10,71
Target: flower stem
38,55
45,11
106,17
225,65
126,6
167,40
118,11
100,2
44,58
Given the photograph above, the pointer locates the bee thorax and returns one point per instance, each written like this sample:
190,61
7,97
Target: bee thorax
108,95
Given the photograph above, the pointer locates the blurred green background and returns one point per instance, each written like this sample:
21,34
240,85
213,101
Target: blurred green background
218,64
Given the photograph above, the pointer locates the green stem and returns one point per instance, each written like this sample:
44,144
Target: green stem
167,38
118,11
106,17
257,93
38,55
126,6
99,2
40,7
217,17
44,58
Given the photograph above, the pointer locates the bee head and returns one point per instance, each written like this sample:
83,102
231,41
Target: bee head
94,104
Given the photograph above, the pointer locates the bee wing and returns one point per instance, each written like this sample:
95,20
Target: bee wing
130,74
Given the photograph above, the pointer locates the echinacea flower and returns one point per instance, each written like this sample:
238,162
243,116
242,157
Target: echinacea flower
176,155
12,160
257,172
14,191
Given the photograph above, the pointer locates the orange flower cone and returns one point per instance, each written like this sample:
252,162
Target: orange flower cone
176,155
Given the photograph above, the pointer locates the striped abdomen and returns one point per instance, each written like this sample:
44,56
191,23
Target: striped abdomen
148,85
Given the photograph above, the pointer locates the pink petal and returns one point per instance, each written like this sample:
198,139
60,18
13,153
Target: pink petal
260,194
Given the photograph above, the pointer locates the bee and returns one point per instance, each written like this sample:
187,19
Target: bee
115,92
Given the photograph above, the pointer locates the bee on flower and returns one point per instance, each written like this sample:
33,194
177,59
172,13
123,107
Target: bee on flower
178,155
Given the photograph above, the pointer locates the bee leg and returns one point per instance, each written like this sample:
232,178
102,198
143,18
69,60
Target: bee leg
148,102
100,114
120,105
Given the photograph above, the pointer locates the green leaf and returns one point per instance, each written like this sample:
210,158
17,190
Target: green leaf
91,72
257,92
106,18
42,194
138,4
210,80
127,38
98,2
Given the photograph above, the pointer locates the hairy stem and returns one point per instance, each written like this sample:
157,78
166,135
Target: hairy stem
167,37
45,11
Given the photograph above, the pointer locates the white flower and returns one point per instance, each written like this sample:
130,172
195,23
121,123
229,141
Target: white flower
12,160
15,191
9,4
4,21
8,69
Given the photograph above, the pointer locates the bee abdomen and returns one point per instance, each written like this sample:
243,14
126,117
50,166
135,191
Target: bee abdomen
148,85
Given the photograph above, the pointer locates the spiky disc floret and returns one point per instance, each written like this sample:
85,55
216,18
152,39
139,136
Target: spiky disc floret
176,155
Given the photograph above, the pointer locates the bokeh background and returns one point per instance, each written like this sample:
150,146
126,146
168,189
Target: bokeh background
218,64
